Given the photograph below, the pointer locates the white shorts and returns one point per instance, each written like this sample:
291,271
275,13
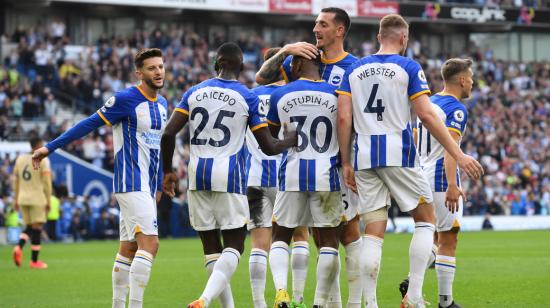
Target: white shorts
350,203
260,203
312,209
445,220
210,210
408,186
138,213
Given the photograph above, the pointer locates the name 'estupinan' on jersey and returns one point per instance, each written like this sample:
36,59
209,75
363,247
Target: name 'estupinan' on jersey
219,112
311,107
381,87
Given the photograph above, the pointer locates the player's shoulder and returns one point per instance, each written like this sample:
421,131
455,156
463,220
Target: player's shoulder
349,59
448,103
162,100
266,89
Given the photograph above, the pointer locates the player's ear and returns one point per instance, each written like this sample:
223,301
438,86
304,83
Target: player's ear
216,66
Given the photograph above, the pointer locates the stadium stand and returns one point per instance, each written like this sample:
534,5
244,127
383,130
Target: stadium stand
508,131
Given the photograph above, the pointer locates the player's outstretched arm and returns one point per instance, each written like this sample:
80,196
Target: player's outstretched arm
270,69
274,146
167,144
344,130
76,132
453,191
424,110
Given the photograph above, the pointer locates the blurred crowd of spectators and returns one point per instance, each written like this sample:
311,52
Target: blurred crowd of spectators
536,4
508,130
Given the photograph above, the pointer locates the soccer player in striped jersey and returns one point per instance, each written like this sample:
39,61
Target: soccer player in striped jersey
309,186
374,96
138,116
331,27
218,111
262,188
441,170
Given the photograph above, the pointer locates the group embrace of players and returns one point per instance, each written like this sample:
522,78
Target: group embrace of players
343,119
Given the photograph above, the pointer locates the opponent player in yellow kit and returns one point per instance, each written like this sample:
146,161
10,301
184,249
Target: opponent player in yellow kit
33,189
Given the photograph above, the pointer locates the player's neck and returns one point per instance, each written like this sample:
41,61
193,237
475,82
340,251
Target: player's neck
386,49
311,75
228,75
447,90
150,93
333,51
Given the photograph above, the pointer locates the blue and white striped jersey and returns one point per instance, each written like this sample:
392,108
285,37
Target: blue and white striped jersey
380,87
455,115
332,70
262,169
219,112
311,107
138,122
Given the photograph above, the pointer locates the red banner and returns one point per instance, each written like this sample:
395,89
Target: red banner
290,6
376,9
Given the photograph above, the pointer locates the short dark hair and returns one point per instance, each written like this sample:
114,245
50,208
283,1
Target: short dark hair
340,16
271,52
453,67
229,56
145,54
35,141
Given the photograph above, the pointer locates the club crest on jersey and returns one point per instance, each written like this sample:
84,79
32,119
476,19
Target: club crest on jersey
459,115
110,102
422,76
336,80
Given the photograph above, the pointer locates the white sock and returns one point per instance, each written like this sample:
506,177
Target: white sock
353,269
370,267
432,256
140,271
257,267
326,271
278,263
226,297
445,268
121,280
419,253
334,298
299,262
221,275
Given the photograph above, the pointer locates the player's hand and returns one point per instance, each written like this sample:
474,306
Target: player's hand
158,196
290,134
302,49
39,155
169,183
451,198
349,177
471,166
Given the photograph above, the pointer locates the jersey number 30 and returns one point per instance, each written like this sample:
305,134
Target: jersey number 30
300,120
379,109
217,125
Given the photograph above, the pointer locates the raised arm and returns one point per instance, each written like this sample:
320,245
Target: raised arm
270,69
76,132
425,112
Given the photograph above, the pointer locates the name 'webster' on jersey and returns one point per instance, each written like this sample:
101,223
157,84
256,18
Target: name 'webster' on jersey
219,112
261,169
381,87
332,70
455,116
310,106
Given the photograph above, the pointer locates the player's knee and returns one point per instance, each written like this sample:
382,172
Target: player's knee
424,212
350,232
300,234
375,222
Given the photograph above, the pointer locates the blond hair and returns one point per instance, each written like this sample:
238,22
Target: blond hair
392,22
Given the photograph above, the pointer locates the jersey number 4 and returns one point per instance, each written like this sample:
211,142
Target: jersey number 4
379,109
217,125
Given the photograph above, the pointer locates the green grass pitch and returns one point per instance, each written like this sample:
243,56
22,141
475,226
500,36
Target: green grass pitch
495,269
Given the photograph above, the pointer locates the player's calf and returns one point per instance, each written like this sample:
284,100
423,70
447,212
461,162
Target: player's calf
445,266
